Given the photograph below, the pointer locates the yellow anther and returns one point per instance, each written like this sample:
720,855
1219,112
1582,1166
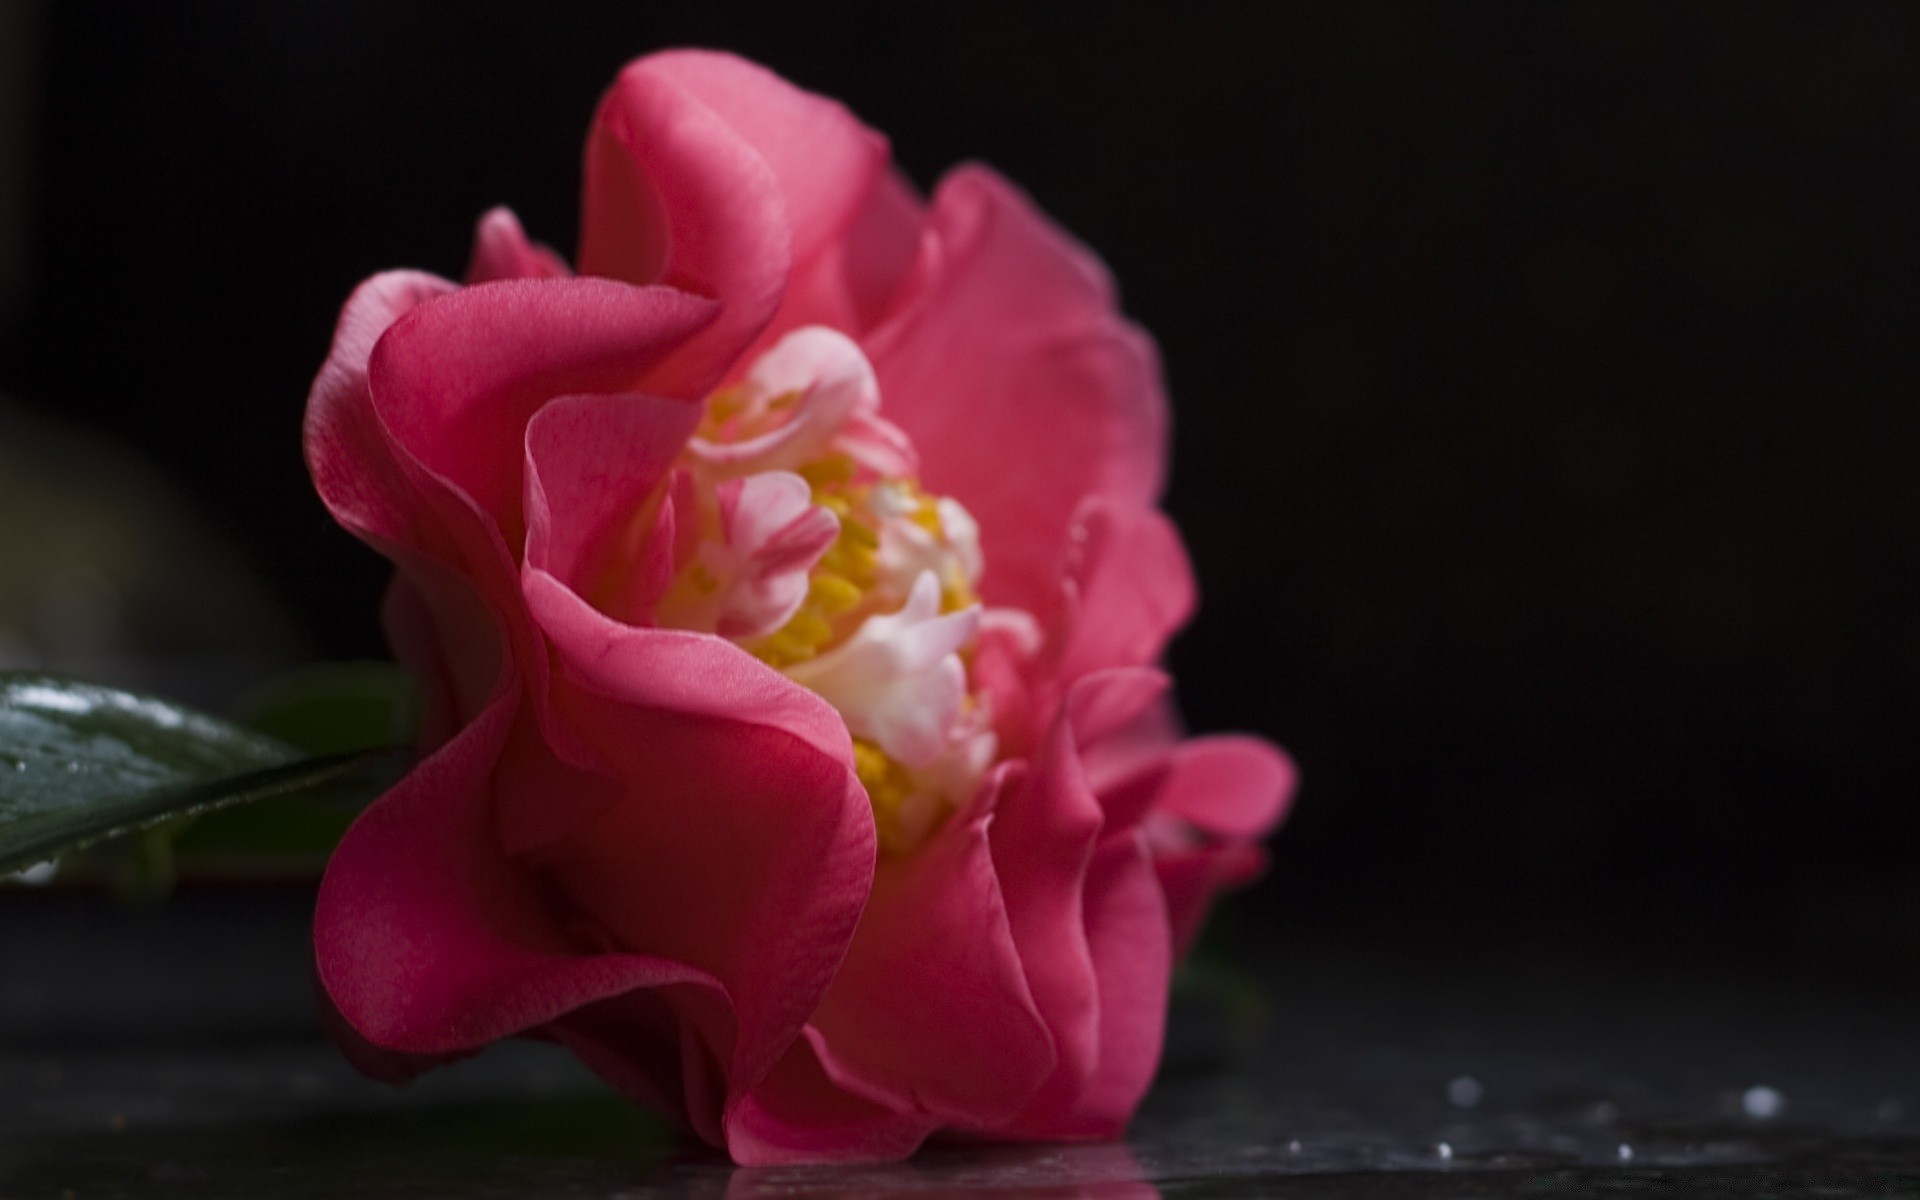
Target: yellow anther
809,627
834,594
726,404
827,472
855,562
860,535
956,595
890,787
783,649
927,516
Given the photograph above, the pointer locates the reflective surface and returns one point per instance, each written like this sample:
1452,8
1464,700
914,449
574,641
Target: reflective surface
171,1052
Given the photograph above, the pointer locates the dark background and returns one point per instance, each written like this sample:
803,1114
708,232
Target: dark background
1544,380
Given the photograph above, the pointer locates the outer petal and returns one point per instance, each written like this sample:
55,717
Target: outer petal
1023,388
931,1007
853,282
1190,877
592,463
347,451
458,591
455,381
825,160
1229,785
741,844
1131,944
1129,588
1044,839
430,941
714,175
801,1114
501,250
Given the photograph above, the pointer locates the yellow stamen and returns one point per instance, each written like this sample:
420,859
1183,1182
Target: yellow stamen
890,788
834,594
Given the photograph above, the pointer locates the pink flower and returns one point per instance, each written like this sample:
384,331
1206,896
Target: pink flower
787,588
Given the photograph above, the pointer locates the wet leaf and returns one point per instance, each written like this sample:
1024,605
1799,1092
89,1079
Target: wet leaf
80,762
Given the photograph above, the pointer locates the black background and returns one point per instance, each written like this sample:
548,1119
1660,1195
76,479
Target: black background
1544,380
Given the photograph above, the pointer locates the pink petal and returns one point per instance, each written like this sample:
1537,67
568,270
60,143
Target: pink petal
773,524
429,941
1191,877
714,175
674,669
1023,388
799,1114
347,451
834,382
1044,838
501,251
653,1046
1229,785
825,160
455,381
1129,587
1130,940
741,845
932,1006
853,282
453,555
592,463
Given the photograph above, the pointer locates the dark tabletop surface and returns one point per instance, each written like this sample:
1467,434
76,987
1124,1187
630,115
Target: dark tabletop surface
171,1051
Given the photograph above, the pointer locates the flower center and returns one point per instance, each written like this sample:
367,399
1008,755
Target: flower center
801,532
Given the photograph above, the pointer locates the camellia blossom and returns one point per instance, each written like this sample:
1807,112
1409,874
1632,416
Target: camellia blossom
786,587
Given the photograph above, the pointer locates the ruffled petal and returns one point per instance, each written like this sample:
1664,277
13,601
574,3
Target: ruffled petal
854,281
1191,876
348,453
1024,389
430,941
1229,785
931,1007
775,534
742,842
1129,588
1130,941
799,1113
592,463
455,381
712,174
501,250
1044,838
825,160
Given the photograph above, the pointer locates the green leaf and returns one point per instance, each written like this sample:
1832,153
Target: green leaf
334,708
80,762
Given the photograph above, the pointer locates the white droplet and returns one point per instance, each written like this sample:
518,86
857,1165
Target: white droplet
1445,1151
1465,1092
1762,1103
37,875
1293,1147
1625,1152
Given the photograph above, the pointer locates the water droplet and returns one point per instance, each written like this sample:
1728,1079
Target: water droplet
1293,1147
1625,1152
1606,1113
1445,1151
1465,1092
1762,1103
